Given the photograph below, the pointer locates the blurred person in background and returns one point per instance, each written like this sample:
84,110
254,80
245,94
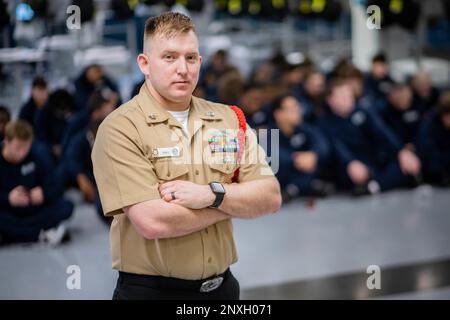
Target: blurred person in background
303,150
371,158
425,94
230,87
91,79
38,99
254,105
212,72
310,94
31,205
101,103
378,81
52,120
5,117
402,115
77,165
434,143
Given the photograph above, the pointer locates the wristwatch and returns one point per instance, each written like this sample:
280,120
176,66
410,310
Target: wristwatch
218,189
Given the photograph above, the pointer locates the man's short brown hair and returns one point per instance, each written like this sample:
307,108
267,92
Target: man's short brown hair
168,24
19,129
335,83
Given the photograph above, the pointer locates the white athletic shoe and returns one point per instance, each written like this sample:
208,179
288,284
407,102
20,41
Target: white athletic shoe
53,236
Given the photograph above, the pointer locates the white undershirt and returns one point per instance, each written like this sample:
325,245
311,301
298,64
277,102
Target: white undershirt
182,118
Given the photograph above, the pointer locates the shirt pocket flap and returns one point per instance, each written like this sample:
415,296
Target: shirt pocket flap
226,168
169,170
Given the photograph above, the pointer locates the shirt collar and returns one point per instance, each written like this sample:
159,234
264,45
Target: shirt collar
155,113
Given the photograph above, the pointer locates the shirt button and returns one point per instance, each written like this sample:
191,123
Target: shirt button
206,231
209,260
197,172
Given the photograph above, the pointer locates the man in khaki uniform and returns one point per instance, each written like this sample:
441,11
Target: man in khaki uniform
164,163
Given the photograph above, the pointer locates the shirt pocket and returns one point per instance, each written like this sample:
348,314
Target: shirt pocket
223,172
167,170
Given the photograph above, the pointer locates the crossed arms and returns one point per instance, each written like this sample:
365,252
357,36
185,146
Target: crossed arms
189,212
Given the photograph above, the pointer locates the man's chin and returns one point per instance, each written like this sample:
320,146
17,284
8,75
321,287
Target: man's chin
179,97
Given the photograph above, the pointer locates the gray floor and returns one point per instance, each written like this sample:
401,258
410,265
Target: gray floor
340,236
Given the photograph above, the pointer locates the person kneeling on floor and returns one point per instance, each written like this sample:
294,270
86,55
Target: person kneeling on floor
31,206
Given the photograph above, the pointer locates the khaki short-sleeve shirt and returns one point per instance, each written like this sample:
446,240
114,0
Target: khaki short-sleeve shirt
139,146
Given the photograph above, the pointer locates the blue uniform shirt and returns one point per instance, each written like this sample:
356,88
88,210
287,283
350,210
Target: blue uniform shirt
433,145
35,170
360,136
77,158
405,124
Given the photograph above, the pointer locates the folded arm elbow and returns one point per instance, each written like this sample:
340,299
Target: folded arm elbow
147,224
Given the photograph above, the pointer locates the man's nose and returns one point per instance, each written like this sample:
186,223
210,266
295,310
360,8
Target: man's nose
182,67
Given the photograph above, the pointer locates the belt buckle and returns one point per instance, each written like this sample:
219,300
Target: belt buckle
211,285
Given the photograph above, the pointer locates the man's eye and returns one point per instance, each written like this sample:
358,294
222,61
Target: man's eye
168,57
192,58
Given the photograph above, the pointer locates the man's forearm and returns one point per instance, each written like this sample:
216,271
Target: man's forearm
251,199
166,220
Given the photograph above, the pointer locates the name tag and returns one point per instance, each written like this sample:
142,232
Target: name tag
411,116
27,168
166,152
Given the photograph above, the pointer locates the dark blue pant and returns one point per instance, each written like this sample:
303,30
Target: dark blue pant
388,176
18,227
436,169
290,175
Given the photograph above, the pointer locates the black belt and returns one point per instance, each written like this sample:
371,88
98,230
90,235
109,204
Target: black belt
166,283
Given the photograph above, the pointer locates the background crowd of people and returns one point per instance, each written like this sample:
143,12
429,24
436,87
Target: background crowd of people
339,131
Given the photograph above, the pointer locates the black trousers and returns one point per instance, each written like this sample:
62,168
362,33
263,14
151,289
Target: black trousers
143,287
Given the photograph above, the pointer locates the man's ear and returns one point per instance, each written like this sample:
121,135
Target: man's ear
142,61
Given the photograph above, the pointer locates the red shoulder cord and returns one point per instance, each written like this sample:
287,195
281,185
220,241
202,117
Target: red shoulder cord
241,138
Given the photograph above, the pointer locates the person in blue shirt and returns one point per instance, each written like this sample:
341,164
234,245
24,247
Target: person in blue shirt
357,136
38,99
77,166
302,151
434,143
401,115
31,203
378,81
101,103
52,120
425,94
211,73
91,79
252,102
310,94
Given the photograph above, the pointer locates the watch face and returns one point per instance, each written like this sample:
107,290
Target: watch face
217,187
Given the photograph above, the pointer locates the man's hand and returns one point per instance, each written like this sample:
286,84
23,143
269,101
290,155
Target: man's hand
409,162
18,197
187,194
358,172
86,188
305,161
37,196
